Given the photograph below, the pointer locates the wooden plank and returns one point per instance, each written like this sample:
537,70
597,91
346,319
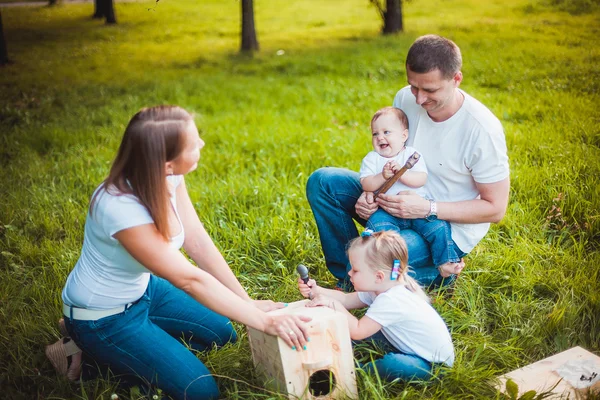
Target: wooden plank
541,375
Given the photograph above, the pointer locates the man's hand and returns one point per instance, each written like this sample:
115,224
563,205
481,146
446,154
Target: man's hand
365,205
406,204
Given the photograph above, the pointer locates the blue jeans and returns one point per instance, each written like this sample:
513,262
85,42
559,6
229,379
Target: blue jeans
145,343
395,364
332,194
437,234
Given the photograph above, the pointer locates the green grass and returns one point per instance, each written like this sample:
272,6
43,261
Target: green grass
531,287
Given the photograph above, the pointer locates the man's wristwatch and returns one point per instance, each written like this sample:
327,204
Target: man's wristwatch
432,215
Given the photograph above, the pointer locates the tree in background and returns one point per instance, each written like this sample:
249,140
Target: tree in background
3,51
105,8
249,41
391,15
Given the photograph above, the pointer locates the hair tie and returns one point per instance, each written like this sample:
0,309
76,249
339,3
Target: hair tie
395,270
366,233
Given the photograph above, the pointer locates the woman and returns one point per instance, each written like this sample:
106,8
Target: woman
133,297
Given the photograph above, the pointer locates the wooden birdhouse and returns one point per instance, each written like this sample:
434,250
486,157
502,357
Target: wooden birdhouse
325,370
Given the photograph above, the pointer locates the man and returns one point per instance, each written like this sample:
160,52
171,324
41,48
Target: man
464,148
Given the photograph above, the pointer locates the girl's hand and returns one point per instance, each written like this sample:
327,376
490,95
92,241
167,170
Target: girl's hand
290,328
321,300
267,305
308,288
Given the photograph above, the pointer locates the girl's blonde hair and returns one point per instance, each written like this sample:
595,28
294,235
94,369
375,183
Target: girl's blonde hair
381,249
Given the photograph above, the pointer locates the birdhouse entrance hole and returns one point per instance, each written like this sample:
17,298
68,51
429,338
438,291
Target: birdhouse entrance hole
321,383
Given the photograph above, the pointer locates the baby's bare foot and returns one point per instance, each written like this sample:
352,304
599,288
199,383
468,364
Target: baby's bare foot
451,268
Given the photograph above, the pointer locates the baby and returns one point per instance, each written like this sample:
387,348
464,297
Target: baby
390,132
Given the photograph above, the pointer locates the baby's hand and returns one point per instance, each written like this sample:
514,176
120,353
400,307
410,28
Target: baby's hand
308,288
388,170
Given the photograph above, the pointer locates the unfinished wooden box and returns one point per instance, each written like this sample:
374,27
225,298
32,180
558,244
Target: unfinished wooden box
542,375
325,370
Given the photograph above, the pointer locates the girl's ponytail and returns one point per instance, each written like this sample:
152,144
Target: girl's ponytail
411,284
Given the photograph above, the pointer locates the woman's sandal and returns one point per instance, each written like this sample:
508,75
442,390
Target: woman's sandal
65,356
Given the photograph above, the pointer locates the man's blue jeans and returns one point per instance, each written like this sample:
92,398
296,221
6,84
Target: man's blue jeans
395,364
145,341
332,194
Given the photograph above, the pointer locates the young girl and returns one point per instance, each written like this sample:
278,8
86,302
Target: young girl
399,318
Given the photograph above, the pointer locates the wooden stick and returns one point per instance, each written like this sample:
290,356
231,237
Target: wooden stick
412,160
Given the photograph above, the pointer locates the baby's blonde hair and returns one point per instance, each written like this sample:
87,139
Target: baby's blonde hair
381,249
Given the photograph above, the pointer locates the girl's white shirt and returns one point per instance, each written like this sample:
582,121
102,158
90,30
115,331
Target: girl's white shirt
410,324
106,276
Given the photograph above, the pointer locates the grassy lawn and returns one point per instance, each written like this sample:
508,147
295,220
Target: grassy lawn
531,288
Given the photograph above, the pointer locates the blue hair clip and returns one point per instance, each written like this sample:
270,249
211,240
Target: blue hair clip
395,270
366,232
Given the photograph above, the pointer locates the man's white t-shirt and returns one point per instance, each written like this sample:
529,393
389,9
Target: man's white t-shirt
373,164
106,276
468,147
410,324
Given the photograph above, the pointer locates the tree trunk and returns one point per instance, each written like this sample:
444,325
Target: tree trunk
249,41
110,12
98,9
3,51
392,17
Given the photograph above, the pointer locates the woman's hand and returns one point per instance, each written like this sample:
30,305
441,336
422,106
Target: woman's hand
365,205
267,305
308,289
291,328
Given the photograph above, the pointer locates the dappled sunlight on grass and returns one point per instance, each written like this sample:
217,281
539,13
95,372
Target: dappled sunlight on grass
530,288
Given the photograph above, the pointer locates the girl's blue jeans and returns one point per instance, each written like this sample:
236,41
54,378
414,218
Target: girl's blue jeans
332,194
395,364
147,342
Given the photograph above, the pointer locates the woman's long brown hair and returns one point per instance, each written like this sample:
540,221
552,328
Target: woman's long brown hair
154,136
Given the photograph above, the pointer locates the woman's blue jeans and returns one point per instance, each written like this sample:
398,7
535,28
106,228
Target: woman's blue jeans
147,342
332,194
395,364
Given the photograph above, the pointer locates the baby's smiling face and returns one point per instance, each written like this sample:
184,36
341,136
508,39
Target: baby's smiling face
389,135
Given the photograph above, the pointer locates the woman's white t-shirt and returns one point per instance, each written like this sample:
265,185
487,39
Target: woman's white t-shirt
410,324
106,275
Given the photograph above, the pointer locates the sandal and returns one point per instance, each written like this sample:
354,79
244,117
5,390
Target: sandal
66,358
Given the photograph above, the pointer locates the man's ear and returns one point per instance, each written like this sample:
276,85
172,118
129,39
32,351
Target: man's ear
458,77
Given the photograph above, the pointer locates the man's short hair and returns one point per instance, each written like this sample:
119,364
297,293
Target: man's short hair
431,52
398,113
